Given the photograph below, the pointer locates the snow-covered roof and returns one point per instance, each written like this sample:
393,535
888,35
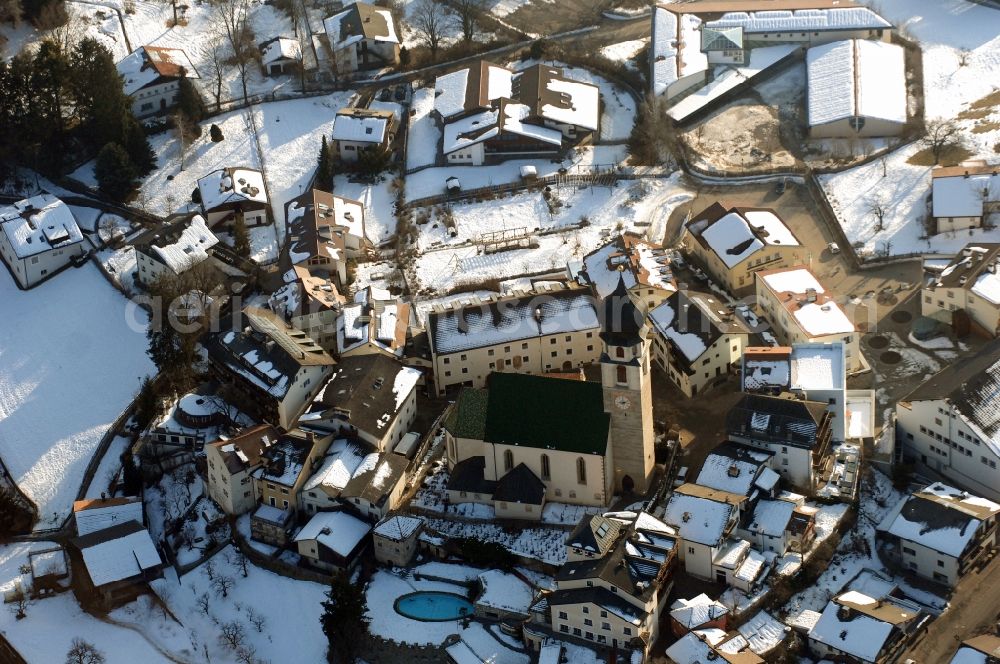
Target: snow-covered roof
117,553
771,228
675,48
856,78
358,22
732,469
511,319
771,517
231,185
470,88
817,318
504,591
506,116
398,527
190,248
38,224
956,195
763,632
280,48
344,460
731,239
360,125
697,611
698,519
630,258
817,366
940,517
338,531
578,105
94,515
861,636
801,20
147,64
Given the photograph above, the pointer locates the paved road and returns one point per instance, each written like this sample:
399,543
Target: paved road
973,610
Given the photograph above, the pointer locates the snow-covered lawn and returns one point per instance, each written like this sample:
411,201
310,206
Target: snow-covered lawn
71,356
945,30
290,610
52,623
625,51
110,466
382,592
424,134
378,199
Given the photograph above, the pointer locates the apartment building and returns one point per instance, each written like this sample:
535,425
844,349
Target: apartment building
173,249
949,423
735,244
969,286
230,465
940,533
801,311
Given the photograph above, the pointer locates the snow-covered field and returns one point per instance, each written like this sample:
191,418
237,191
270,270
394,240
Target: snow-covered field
71,356
945,30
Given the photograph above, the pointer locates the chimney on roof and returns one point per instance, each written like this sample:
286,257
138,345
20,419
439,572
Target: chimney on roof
810,295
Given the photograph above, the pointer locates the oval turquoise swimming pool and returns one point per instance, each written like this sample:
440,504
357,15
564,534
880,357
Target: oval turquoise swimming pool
433,606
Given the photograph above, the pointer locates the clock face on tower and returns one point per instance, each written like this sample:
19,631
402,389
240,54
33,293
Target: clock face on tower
622,402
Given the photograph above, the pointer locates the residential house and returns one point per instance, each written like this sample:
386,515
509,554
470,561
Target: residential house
741,470
644,267
376,491
800,311
362,37
272,525
285,466
38,238
395,539
593,537
699,612
113,566
735,244
344,460
228,193
537,333
964,196
856,627
311,302
704,518
280,55
231,463
272,369
968,288
698,340
369,397
615,599
489,113
779,526
151,76
796,432
173,249
333,541
940,533
375,322
949,423
98,514
326,229
981,649
356,130
710,645
856,88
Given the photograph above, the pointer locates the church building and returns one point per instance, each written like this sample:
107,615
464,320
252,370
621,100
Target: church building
524,440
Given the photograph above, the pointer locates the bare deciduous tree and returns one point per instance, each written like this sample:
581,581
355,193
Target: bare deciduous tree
232,634
82,652
877,206
213,53
430,19
257,620
941,134
209,569
203,603
223,584
19,601
234,18
239,561
246,655
467,15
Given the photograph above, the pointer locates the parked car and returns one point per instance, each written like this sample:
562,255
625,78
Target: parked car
681,478
385,94
400,93
833,247
780,187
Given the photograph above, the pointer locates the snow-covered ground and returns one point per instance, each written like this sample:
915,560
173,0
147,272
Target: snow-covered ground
52,623
378,199
450,261
109,468
625,51
948,31
71,356
545,544
289,609
424,134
